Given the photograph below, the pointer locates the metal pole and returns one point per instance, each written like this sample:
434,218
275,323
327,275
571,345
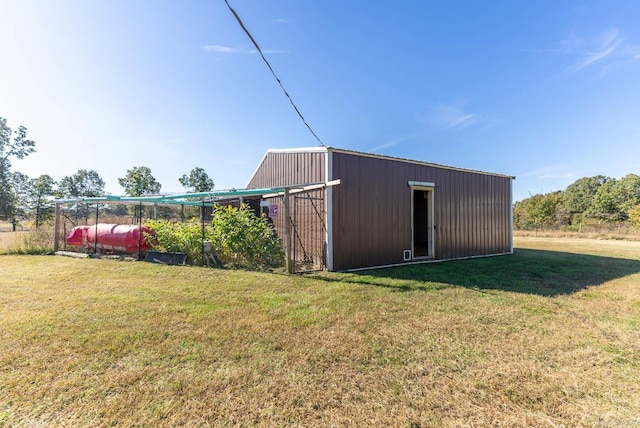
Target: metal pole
202,240
140,231
95,241
56,229
287,231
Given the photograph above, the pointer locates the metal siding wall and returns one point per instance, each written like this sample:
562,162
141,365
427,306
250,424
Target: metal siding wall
285,168
372,206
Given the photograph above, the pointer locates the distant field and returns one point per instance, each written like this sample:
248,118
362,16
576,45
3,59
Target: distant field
547,337
7,238
618,234
6,226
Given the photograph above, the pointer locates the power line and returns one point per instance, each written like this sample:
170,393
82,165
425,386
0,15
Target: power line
272,72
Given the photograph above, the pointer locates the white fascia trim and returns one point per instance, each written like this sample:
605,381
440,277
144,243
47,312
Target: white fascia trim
421,184
328,195
511,214
300,150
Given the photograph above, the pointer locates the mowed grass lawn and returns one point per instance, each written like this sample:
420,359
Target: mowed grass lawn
549,336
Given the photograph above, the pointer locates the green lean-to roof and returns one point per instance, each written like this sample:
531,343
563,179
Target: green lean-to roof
195,199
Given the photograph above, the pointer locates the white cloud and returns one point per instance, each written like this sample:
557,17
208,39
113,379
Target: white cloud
607,50
221,49
273,51
455,117
240,50
392,143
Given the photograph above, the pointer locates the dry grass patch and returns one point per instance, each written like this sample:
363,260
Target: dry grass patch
623,232
6,239
547,337
26,241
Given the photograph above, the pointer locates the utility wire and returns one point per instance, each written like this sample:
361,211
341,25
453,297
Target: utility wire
272,72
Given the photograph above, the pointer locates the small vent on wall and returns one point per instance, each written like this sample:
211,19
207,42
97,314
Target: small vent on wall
407,255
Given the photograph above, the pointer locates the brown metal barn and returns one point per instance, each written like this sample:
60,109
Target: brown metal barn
386,210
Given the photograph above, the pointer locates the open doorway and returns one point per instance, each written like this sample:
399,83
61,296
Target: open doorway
422,222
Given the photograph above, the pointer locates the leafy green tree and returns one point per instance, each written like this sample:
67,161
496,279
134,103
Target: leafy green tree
538,211
139,181
616,198
197,181
634,215
604,206
41,191
579,195
17,147
116,210
627,194
21,186
82,183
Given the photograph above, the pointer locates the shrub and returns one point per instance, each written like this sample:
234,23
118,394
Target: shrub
177,238
239,237
634,215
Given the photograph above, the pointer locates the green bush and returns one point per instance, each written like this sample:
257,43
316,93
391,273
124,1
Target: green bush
634,215
238,236
177,238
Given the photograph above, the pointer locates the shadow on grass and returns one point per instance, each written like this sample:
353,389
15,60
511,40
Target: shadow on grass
545,273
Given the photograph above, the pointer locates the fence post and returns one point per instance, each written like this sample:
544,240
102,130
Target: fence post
56,228
204,257
95,242
140,232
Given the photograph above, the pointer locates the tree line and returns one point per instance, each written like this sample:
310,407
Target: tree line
22,197
590,200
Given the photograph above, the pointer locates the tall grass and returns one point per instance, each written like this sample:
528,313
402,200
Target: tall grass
35,241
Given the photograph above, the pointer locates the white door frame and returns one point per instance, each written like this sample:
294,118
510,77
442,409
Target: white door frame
430,188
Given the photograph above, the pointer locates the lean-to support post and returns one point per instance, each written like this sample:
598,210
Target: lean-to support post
287,231
140,232
56,229
202,240
95,241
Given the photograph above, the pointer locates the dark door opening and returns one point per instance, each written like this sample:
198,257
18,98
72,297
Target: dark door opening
422,223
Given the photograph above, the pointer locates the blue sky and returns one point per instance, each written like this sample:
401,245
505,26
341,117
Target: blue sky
547,91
